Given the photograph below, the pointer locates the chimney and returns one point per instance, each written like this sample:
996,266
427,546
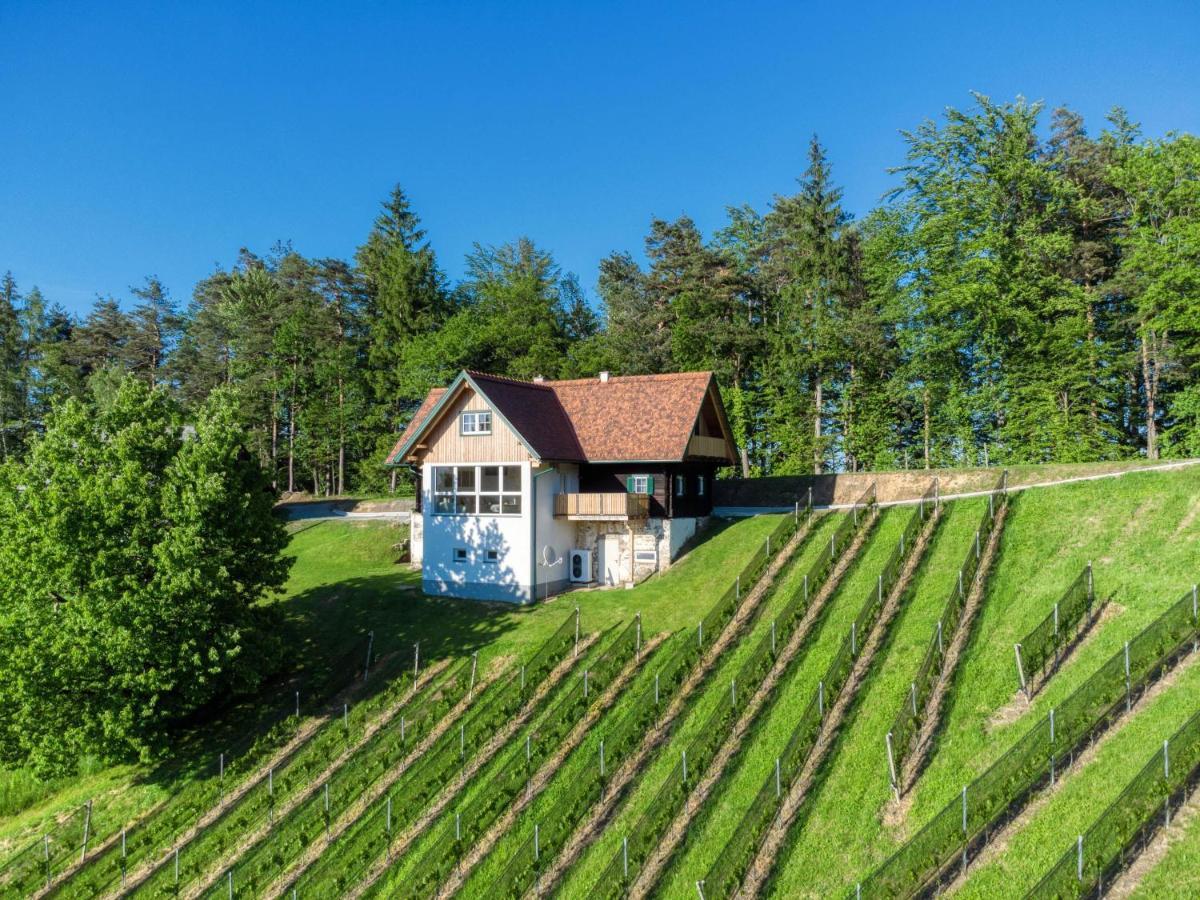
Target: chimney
539,379
604,377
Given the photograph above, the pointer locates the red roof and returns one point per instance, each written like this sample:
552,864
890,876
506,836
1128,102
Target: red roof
634,417
630,418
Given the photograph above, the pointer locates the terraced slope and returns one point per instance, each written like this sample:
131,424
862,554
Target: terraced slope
843,824
583,876
1022,855
717,827
1143,534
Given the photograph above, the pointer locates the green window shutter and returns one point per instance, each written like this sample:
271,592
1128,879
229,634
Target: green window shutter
650,484
629,484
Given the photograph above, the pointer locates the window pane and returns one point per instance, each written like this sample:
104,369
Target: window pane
466,479
511,504
483,422
465,505
489,478
512,478
443,503
443,480
489,504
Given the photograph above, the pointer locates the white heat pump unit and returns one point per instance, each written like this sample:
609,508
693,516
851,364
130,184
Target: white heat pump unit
581,566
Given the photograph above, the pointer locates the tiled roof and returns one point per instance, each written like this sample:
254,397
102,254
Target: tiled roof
414,423
534,411
634,417
628,418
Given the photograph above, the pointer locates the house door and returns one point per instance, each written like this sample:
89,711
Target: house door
610,559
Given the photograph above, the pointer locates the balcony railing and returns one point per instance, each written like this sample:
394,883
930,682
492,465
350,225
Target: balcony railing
706,446
602,506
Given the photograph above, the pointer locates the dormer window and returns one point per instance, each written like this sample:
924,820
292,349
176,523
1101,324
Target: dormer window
474,423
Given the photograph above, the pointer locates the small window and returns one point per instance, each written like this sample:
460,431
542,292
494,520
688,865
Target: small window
639,484
646,556
479,422
700,485
492,556
460,554
680,485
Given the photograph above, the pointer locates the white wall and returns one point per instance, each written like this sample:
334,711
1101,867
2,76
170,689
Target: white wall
519,569
508,579
558,534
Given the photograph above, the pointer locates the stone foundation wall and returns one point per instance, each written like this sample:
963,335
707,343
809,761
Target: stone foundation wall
662,537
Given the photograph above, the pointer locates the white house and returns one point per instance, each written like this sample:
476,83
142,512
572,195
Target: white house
525,487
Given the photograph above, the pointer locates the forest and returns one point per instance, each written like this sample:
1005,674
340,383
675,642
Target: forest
1029,291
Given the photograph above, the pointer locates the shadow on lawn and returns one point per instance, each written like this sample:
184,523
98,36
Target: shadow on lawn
325,631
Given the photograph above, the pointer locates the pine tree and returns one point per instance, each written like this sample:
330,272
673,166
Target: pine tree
12,405
154,331
637,327
404,298
806,272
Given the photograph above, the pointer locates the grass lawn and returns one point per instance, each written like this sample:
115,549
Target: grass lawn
348,585
1142,533
1077,802
1177,874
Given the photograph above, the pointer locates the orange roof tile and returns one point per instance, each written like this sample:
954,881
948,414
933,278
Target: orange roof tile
629,418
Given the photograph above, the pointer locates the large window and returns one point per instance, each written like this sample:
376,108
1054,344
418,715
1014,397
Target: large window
476,423
477,490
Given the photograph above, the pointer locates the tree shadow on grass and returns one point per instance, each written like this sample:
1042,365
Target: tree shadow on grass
326,632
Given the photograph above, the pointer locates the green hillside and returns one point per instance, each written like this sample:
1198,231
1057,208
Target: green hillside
1141,532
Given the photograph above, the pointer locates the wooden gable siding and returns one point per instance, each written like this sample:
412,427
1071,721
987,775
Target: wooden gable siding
445,444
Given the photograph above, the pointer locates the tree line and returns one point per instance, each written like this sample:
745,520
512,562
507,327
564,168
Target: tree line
1027,292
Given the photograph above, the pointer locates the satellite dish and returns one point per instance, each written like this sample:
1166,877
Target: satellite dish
550,557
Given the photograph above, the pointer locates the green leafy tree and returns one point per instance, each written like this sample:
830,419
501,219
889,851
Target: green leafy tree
1160,269
134,553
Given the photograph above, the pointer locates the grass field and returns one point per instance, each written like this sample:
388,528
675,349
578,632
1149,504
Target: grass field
843,821
726,807
585,874
1141,531
344,583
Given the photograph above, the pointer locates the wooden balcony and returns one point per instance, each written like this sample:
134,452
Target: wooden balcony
602,507
702,445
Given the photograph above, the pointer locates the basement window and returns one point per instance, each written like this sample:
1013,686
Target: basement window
492,556
460,554
646,556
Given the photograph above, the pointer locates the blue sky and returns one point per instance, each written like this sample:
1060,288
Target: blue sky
160,138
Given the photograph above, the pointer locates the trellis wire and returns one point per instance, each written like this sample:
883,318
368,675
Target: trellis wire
913,711
1027,765
522,868
65,847
704,746
1120,832
264,862
725,875
1042,647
